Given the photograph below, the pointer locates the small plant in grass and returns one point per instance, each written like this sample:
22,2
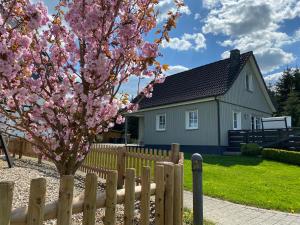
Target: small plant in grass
188,218
251,149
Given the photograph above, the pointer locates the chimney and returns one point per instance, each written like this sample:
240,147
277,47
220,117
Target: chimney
234,60
234,57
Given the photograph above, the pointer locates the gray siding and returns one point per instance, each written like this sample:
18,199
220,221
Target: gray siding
238,94
226,119
206,134
239,99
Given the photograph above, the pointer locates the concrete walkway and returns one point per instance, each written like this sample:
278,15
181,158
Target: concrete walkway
227,213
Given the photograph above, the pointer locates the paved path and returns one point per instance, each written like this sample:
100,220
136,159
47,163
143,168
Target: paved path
227,213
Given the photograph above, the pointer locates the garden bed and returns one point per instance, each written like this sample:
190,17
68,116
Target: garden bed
27,169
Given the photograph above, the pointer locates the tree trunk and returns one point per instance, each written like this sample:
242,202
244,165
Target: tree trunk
68,168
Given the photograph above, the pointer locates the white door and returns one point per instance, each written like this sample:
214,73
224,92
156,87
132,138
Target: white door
237,120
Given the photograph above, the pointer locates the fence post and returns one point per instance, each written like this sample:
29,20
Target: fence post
64,209
121,166
111,198
177,209
36,204
197,189
129,197
159,195
175,153
145,195
90,193
169,192
6,196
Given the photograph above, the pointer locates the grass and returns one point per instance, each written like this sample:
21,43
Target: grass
188,218
249,180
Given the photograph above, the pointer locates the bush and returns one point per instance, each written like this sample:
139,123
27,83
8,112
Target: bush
282,155
251,149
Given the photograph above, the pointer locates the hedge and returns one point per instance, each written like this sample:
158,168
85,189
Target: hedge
280,155
251,149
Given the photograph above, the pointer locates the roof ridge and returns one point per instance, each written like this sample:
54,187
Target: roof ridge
209,64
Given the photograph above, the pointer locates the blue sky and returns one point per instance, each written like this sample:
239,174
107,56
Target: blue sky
208,29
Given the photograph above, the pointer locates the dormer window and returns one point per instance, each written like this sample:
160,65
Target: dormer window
249,82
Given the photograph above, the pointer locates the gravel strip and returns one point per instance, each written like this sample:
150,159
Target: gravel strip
27,169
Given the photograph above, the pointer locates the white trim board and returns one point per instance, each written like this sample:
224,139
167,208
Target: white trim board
175,104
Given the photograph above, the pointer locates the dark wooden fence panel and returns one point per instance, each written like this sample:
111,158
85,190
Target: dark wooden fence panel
279,138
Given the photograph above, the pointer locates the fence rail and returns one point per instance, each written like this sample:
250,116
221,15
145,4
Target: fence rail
104,158
280,138
167,190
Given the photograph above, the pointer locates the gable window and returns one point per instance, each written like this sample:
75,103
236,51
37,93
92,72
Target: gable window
237,120
161,122
249,82
191,119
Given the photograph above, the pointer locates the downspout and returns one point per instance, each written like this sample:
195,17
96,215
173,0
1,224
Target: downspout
219,121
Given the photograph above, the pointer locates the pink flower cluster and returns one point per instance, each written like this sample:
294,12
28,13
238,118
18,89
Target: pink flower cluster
60,76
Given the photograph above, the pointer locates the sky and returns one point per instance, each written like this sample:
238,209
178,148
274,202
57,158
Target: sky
208,29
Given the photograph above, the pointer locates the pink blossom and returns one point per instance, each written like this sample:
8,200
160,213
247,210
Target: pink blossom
61,76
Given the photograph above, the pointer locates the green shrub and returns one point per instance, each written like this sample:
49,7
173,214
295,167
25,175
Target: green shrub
251,149
282,155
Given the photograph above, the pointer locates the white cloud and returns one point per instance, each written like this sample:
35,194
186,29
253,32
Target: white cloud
272,78
254,26
210,3
187,42
165,6
176,69
197,16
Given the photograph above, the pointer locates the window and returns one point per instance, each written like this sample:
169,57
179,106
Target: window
161,122
236,120
258,123
255,123
191,119
249,82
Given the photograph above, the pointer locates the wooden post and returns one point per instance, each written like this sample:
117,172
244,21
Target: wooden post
36,204
111,198
159,195
129,196
145,198
169,191
177,195
197,189
6,197
64,209
121,166
90,194
175,153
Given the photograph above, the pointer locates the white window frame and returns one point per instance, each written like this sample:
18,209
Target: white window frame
257,122
187,120
249,82
157,122
238,120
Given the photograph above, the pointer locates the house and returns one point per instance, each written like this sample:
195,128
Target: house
197,108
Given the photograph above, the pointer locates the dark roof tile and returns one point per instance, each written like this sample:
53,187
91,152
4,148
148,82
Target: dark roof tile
210,80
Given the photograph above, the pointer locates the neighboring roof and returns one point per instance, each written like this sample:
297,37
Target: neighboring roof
210,80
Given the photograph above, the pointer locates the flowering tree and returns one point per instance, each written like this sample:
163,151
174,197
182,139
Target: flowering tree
60,75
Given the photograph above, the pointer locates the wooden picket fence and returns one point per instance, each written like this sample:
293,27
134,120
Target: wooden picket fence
106,157
167,189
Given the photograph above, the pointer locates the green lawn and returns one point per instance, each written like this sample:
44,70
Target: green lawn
250,181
